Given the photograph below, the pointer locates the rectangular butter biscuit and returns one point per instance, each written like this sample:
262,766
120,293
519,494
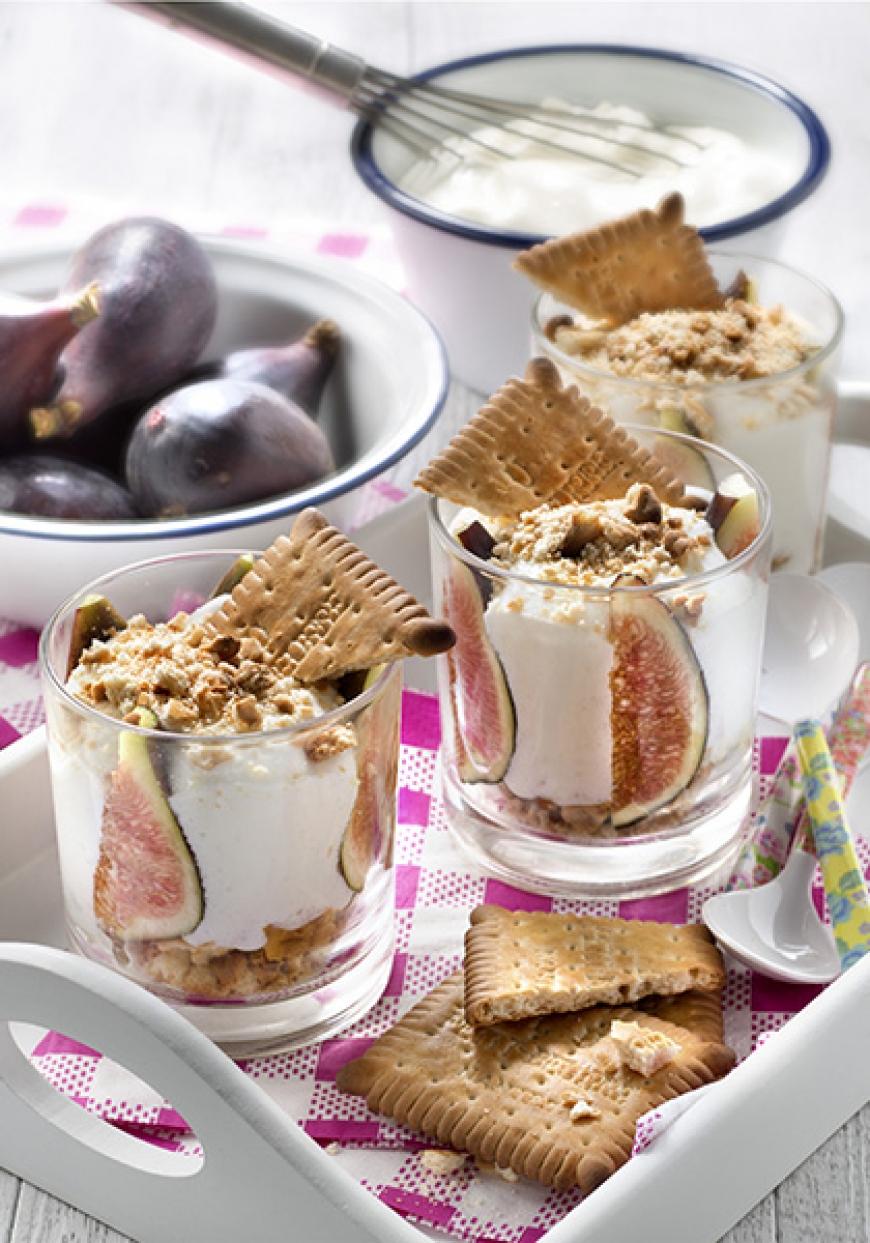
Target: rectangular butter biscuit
524,963
549,1098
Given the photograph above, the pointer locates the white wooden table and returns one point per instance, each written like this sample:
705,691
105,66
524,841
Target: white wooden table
97,104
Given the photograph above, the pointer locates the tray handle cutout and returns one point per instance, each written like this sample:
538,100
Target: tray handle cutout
261,1178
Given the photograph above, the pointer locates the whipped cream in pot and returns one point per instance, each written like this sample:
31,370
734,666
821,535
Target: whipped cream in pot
539,189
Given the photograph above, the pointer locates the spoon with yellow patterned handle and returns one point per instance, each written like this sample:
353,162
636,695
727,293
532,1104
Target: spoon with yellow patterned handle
846,892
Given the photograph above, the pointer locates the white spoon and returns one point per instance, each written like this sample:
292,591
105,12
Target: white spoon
810,651
812,643
850,580
775,929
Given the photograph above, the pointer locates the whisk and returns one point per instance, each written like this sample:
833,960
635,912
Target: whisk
423,115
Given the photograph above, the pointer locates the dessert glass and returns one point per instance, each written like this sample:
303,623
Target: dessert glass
532,667
780,424
293,852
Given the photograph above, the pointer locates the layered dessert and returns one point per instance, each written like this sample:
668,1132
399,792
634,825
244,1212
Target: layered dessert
662,344
225,779
604,677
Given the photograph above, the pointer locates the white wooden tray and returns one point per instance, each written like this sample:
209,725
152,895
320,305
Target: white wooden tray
262,1179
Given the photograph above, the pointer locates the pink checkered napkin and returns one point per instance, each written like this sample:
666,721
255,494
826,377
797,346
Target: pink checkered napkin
435,892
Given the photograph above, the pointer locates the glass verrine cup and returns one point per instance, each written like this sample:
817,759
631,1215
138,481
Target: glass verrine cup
558,698
246,878
780,424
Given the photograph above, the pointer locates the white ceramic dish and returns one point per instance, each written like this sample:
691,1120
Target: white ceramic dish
460,273
262,1178
387,390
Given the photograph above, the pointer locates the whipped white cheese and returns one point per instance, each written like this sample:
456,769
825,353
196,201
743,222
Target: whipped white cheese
542,190
265,828
558,672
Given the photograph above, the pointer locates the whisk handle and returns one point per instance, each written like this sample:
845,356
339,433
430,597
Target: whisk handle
270,44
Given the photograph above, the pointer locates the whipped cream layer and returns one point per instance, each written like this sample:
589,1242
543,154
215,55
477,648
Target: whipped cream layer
265,830
558,671
542,190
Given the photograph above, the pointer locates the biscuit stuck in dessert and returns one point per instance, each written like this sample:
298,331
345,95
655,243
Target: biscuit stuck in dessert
648,261
534,443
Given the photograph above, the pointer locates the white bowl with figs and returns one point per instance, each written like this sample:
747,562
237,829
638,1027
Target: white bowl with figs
195,401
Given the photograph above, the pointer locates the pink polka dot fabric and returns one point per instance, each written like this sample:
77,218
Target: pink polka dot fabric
435,891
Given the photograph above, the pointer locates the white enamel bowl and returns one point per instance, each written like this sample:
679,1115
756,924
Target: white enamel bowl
460,273
386,392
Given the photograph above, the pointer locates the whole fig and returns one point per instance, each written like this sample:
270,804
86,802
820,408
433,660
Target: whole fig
158,302
32,336
297,371
52,487
221,443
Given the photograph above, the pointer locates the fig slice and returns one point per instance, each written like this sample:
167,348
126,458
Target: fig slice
368,835
688,464
659,706
234,575
734,515
146,882
351,685
482,705
95,618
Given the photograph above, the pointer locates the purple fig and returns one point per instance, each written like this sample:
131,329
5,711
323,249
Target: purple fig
158,303
222,443
53,487
32,336
297,371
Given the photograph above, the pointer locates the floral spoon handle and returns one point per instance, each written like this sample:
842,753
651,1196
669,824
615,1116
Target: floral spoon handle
781,819
845,890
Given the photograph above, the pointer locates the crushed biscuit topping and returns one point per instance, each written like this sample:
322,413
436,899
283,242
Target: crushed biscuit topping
195,681
739,341
592,544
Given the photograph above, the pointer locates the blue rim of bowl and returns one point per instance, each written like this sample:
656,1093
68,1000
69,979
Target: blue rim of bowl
817,136
268,510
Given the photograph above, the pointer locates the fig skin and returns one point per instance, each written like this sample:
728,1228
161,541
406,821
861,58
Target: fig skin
483,706
734,515
53,487
219,444
32,337
158,308
297,371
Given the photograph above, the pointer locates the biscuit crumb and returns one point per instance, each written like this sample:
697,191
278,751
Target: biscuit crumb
642,1049
329,743
442,1160
736,341
590,544
583,1109
195,681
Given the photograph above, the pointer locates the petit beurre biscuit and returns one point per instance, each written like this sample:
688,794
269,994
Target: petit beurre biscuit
548,1097
648,261
535,442
327,607
523,963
